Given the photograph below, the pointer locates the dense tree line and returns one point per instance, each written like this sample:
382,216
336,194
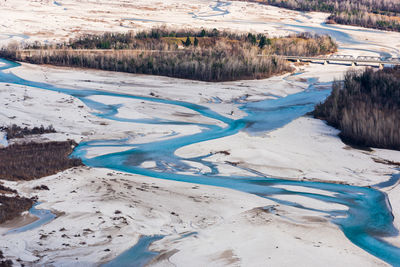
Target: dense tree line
217,56
366,108
379,14
15,131
36,160
367,20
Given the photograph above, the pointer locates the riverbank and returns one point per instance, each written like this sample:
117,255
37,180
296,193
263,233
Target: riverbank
105,197
93,231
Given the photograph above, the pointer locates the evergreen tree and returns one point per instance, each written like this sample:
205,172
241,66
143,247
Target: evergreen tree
187,42
215,33
252,38
263,42
196,42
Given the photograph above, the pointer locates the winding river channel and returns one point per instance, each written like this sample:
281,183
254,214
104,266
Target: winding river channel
366,221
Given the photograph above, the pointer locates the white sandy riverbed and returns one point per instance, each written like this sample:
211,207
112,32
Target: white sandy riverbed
231,227
88,198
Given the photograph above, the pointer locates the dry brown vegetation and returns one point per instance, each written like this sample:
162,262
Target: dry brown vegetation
366,108
35,160
199,55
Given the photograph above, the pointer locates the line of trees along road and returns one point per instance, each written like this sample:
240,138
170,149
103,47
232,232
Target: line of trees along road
217,56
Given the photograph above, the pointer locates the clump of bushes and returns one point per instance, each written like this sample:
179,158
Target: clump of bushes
200,55
41,187
366,108
15,131
35,160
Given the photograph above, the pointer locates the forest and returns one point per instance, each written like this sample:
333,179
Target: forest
365,107
378,14
205,55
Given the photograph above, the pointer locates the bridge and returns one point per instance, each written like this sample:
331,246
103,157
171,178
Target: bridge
354,61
